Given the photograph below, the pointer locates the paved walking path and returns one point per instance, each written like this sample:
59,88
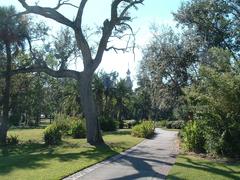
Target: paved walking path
151,159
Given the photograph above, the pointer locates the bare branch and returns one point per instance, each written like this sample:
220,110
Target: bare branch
61,3
132,4
81,40
108,26
78,20
47,12
115,49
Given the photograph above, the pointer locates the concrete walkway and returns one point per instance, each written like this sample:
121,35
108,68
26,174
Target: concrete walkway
151,159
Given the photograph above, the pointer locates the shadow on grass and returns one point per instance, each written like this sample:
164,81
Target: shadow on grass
35,155
205,166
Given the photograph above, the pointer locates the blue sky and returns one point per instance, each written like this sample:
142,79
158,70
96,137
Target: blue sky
153,11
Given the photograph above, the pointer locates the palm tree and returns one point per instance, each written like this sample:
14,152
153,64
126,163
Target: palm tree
13,33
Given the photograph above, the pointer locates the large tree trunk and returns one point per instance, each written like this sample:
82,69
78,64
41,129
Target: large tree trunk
94,135
4,119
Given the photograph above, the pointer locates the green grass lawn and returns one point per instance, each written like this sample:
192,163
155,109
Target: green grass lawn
196,168
34,160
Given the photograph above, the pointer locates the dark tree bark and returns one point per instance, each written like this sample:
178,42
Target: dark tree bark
89,109
6,97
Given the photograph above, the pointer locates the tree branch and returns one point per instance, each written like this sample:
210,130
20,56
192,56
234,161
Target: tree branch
41,68
108,26
81,40
47,12
61,3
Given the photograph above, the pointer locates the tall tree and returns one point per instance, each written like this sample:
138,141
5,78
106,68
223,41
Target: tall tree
117,24
167,66
13,33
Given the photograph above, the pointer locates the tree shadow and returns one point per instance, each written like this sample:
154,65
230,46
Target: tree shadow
143,166
145,163
35,155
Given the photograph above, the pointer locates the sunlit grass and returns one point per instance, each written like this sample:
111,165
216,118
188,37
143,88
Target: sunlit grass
196,168
34,160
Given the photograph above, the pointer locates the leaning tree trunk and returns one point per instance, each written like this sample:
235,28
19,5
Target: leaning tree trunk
4,119
94,135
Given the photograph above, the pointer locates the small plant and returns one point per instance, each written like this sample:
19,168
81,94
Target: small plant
63,123
52,135
108,124
78,129
144,130
12,140
193,136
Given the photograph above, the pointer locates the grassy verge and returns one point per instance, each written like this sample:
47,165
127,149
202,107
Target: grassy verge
34,160
191,167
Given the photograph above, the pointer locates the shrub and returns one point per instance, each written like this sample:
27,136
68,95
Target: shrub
78,130
193,136
12,140
129,123
175,124
224,141
144,130
162,123
63,123
108,124
52,135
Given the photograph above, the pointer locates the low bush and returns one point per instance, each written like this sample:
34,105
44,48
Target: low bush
52,135
108,124
144,130
12,140
175,124
78,129
162,123
223,141
129,123
63,123
193,136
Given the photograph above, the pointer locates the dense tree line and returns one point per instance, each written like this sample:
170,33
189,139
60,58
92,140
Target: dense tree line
193,75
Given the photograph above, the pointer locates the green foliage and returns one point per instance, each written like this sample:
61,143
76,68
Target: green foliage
78,129
144,130
108,124
63,123
193,136
161,123
179,124
215,21
12,140
215,100
52,135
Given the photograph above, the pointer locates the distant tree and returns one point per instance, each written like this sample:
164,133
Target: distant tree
123,96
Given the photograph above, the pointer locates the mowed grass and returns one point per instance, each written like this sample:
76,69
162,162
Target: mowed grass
196,168
34,160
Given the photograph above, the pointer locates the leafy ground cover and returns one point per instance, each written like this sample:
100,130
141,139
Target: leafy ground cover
192,167
33,159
